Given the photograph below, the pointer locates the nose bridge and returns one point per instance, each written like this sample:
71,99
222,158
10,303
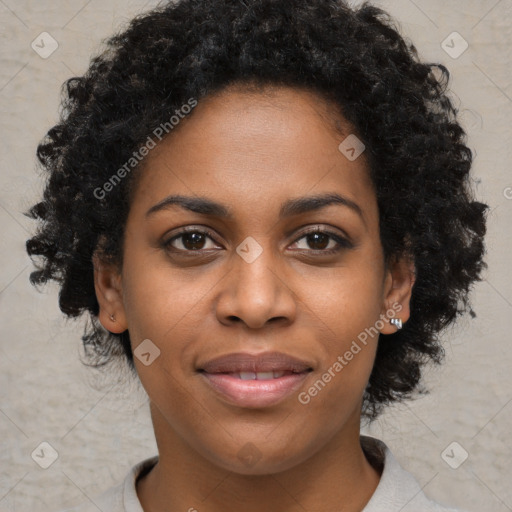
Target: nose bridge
255,268
255,292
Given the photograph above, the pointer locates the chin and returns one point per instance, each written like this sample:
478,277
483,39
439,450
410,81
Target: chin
251,460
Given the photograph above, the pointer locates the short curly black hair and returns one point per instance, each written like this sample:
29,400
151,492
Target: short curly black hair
355,57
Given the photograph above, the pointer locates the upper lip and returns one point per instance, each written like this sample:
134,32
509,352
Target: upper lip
263,362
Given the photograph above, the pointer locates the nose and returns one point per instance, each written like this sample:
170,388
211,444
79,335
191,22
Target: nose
256,293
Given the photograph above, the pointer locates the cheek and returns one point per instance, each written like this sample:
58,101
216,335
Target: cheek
165,308
335,393
344,301
169,308
158,301
346,307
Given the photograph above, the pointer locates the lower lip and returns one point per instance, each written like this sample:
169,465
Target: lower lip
254,393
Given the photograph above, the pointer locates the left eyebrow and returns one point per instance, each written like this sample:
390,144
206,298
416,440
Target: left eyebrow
317,202
290,207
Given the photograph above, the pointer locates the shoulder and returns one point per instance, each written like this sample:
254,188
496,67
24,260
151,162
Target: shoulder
398,490
121,497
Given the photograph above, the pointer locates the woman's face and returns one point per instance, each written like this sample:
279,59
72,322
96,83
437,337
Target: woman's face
258,173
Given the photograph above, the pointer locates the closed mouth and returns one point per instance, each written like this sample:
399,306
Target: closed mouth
264,366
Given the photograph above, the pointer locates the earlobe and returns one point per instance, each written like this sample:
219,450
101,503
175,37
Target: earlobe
400,280
108,288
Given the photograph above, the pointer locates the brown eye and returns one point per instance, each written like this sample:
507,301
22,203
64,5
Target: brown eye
318,241
322,242
189,241
193,241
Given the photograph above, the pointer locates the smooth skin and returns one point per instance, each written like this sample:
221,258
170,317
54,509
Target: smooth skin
196,298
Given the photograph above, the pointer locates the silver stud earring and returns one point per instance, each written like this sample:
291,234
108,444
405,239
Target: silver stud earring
397,322
113,318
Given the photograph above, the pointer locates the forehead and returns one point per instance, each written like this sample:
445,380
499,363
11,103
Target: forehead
248,147
241,111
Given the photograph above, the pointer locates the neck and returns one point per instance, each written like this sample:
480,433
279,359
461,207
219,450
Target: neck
336,477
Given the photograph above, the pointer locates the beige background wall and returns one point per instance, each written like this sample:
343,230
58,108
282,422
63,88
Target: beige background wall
100,428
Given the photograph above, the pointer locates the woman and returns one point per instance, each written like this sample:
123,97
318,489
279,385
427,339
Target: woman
265,208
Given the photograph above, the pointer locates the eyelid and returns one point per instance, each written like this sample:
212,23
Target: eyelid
343,240
191,229
324,229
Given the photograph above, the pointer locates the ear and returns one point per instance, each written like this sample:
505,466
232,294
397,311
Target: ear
399,280
107,284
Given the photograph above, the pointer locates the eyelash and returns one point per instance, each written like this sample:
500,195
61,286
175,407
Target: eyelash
343,243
